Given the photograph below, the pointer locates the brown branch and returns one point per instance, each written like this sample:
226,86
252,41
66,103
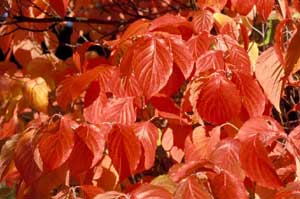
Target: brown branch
24,19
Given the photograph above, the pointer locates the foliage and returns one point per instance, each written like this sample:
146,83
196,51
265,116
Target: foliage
150,99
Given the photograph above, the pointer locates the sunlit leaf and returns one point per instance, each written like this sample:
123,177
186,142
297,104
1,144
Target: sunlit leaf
152,65
269,74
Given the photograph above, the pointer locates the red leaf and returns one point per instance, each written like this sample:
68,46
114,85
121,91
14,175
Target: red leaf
124,149
9,128
257,165
293,53
216,4
239,58
88,149
254,134
94,102
147,134
265,127
164,104
172,24
297,5
56,145
181,129
224,186
269,74
291,191
253,98
152,65
279,39
136,28
119,110
264,8
219,100
110,195
90,191
211,60
148,191
60,6
126,86
25,158
182,56
191,168
294,141
192,188
199,44
174,83
72,87
226,156
200,146
203,21
243,7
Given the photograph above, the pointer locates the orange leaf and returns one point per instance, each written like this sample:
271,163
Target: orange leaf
56,146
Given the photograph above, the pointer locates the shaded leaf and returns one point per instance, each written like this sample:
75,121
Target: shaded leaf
264,8
25,160
257,165
182,56
219,100
124,149
293,53
243,7
291,191
56,145
7,154
60,6
294,141
224,185
73,86
89,146
265,127
253,98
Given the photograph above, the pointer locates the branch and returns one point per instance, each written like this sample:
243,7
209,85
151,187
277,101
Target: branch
24,19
